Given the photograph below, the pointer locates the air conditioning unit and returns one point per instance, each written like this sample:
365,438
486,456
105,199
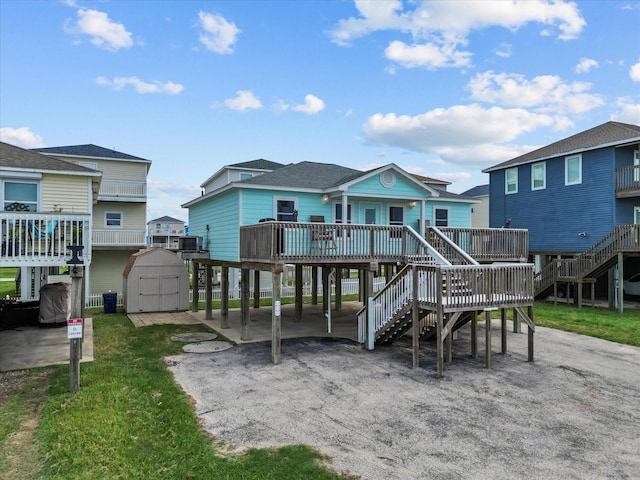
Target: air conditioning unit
190,244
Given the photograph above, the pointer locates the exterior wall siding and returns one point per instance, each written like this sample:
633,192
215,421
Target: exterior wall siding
107,267
556,215
116,169
221,214
401,188
133,214
71,193
480,213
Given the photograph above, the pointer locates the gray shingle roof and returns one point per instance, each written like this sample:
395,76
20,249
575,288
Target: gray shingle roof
609,133
88,150
166,219
477,191
16,157
259,164
306,175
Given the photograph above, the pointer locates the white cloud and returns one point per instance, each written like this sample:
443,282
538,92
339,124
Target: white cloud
21,137
586,64
634,72
103,32
118,83
244,100
461,134
544,93
219,35
504,50
439,28
311,105
628,112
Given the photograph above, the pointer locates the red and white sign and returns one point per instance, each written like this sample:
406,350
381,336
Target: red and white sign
74,328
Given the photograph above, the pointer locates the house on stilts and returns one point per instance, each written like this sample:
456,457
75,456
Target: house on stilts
327,219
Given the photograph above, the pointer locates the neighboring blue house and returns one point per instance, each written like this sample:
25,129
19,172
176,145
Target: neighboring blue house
384,196
571,194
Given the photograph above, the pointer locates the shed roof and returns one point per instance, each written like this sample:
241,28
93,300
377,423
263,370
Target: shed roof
607,134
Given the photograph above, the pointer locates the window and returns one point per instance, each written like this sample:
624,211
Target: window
441,216
113,219
539,176
573,170
338,213
285,208
244,176
511,181
396,218
21,196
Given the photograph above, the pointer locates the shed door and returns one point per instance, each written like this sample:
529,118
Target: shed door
158,293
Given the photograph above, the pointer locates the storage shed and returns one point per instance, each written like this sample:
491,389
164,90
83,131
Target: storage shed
155,280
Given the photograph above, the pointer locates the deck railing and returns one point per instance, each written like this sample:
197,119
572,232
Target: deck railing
447,247
111,237
299,242
628,181
452,288
123,188
41,239
489,244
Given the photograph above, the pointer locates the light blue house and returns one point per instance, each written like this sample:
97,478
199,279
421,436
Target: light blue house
304,191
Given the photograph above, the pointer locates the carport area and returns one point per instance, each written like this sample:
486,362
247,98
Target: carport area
573,413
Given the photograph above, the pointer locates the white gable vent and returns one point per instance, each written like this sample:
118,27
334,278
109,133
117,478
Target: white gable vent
388,179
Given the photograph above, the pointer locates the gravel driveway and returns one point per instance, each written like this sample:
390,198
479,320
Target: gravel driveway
573,413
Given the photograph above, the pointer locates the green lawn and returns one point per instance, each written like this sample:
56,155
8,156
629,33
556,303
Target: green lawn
130,420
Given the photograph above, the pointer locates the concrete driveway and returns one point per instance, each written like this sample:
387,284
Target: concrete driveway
573,413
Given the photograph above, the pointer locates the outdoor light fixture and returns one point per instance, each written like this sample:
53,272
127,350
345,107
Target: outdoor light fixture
412,203
325,199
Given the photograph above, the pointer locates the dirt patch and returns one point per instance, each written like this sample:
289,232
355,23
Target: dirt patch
10,382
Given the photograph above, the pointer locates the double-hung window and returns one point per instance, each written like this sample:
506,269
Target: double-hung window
337,213
113,219
396,218
539,176
441,216
573,170
19,195
511,181
285,208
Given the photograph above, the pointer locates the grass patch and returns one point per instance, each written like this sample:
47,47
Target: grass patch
130,419
595,322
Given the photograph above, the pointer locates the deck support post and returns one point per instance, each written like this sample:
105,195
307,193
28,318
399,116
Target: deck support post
371,327
448,339
276,312
474,334
415,318
195,286
503,329
314,285
439,320
530,335
256,289
326,290
245,321
208,314
487,354
338,280
224,297
517,325
298,282
373,268
619,283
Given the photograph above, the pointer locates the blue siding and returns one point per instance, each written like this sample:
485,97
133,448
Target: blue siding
221,214
556,215
402,188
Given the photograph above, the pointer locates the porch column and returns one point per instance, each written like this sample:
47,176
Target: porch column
345,220
326,290
224,297
244,305
256,289
338,289
314,285
299,293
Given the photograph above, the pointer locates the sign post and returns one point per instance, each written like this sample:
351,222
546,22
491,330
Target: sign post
75,324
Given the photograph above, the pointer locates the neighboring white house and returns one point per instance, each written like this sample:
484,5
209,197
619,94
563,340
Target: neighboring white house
119,217
164,232
480,211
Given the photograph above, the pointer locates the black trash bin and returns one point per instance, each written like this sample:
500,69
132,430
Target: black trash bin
110,302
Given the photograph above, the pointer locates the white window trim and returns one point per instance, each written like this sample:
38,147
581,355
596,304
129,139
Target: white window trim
333,213
566,170
544,176
285,199
106,225
28,180
404,213
448,216
506,181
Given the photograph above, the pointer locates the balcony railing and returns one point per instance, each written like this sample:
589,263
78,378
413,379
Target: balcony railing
123,188
41,239
489,244
628,181
111,237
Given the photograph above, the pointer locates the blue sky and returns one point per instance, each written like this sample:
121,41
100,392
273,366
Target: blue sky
442,89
